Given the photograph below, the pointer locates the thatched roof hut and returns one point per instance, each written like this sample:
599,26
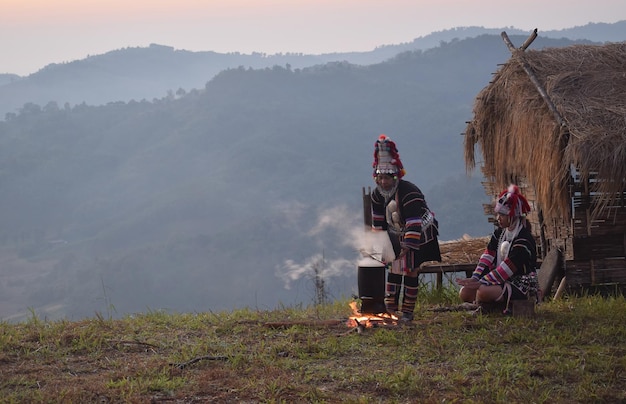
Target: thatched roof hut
554,121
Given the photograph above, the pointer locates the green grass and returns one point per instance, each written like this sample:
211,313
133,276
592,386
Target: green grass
573,350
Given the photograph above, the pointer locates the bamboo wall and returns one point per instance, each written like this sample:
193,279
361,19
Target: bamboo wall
593,248
599,242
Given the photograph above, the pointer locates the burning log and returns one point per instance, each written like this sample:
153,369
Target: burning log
359,329
360,320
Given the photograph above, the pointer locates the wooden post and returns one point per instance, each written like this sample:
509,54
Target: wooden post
529,40
548,271
532,76
523,308
542,234
367,208
560,289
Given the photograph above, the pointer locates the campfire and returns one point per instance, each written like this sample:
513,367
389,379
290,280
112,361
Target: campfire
372,311
362,320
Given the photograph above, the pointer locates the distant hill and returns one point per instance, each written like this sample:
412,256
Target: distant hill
595,32
153,72
8,78
198,200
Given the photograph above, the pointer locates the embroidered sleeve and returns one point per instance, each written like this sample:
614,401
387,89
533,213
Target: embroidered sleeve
378,212
414,208
484,263
487,259
519,257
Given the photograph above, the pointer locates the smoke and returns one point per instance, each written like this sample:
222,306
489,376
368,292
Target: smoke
339,222
315,265
336,226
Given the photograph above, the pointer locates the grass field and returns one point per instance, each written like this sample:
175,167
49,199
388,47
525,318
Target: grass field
573,350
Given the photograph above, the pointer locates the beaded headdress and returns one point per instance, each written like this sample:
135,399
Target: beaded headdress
512,203
386,158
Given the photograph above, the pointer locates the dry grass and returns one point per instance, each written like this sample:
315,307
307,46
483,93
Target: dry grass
521,137
574,350
465,250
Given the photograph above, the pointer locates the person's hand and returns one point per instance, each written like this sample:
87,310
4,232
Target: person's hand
470,283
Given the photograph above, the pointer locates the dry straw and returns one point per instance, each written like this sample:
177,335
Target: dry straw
521,137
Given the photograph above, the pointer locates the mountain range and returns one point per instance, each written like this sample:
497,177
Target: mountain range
152,178
154,71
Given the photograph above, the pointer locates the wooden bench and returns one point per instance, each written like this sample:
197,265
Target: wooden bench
440,269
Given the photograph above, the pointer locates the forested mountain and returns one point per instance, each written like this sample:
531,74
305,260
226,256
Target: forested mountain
153,72
8,78
203,200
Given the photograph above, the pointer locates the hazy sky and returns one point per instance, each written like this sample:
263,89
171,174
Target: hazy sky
34,33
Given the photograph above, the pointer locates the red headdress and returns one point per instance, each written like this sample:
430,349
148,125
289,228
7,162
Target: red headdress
512,203
386,158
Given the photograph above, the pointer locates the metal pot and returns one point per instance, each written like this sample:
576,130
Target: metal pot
371,282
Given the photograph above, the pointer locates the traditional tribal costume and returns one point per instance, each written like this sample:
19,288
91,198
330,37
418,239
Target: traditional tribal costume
511,255
404,214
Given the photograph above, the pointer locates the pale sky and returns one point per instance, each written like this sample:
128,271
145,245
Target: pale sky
35,33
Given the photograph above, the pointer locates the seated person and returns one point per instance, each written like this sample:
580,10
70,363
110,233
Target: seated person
507,269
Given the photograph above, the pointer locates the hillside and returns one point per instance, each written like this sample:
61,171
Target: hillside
198,201
153,72
572,352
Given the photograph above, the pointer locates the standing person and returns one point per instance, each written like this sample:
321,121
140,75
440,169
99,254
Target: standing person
507,269
399,207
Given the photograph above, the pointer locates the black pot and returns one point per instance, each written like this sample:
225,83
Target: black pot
371,281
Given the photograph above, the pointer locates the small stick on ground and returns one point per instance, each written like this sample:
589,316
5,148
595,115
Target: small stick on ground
198,359
359,329
312,323
124,342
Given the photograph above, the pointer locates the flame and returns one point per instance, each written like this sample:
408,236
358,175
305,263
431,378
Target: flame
369,320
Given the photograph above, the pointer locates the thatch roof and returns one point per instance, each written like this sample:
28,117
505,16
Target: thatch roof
522,137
